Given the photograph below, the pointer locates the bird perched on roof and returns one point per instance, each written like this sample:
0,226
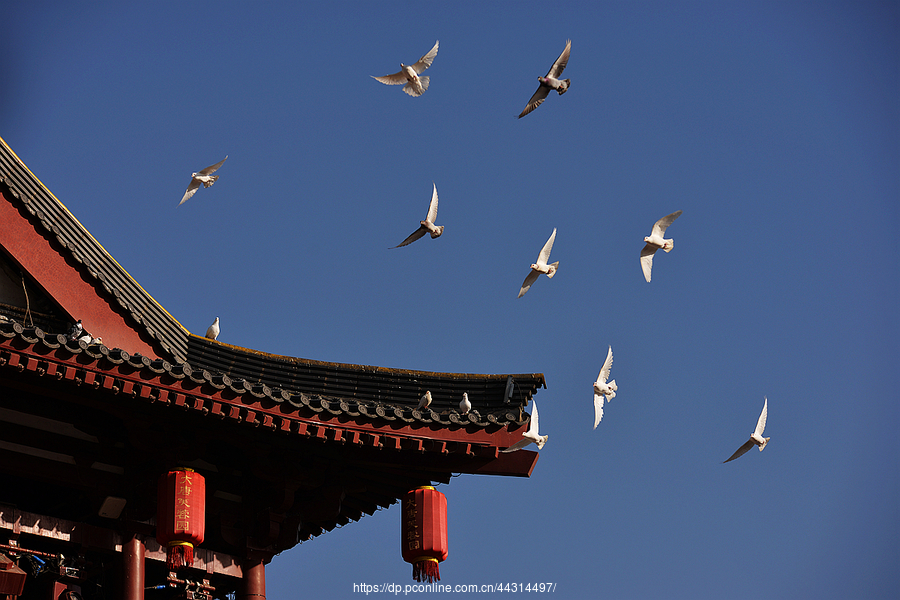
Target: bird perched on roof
86,338
425,401
416,84
213,331
655,241
204,177
603,389
464,405
756,437
532,435
541,265
97,341
428,224
75,331
550,81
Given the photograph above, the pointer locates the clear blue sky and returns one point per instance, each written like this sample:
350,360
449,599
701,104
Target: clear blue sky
772,125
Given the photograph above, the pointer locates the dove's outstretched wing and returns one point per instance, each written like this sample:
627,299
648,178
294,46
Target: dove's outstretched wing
742,450
536,100
425,62
561,62
607,365
598,408
647,260
191,190
432,208
529,281
761,424
544,256
659,228
212,169
412,237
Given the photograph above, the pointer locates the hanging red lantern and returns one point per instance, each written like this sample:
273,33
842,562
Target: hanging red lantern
423,532
180,515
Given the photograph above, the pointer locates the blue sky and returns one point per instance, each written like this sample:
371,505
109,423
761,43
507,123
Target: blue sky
774,126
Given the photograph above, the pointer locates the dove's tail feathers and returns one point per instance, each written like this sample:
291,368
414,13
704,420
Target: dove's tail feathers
415,89
541,441
424,80
212,180
553,268
763,445
612,385
437,234
563,87
669,245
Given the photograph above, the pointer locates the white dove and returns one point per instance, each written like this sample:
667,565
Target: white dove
550,81
532,435
428,224
464,405
425,401
601,388
410,74
655,241
205,177
541,266
756,437
213,331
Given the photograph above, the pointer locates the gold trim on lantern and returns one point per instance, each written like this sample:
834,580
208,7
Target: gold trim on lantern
421,558
425,487
177,543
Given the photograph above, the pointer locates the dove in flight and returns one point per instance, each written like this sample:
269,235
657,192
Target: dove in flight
204,177
541,266
426,226
213,331
756,437
550,81
416,84
601,388
532,435
655,241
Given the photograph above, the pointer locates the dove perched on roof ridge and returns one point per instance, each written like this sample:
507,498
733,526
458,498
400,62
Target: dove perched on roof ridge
464,405
204,177
427,225
213,331
602,388
531,436
756,437
425,401
655,241
75,330
550,81
541,266
416,84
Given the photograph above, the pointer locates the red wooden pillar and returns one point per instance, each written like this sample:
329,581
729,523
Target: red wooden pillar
133,572
254,569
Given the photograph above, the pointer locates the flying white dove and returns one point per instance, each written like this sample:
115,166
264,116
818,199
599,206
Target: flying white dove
409,74
550,81
213,331
205,177
75,331
601,388
541,265
532,435
655,241
425,401
427,225
464,405
756,437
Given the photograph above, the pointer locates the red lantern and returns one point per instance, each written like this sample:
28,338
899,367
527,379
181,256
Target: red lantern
423,532
180,515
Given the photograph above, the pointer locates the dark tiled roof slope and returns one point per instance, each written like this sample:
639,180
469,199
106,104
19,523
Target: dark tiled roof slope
351,391
38,201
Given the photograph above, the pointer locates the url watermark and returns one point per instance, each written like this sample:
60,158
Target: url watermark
445,588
